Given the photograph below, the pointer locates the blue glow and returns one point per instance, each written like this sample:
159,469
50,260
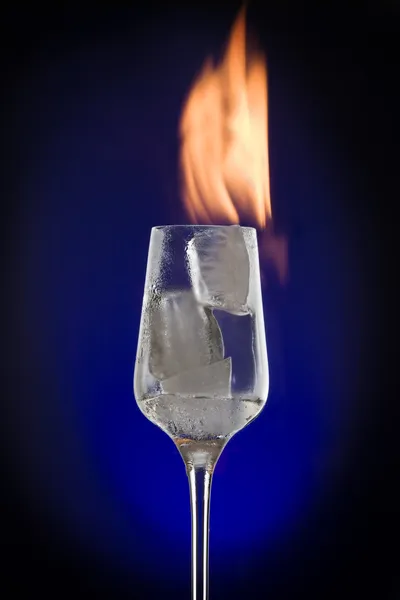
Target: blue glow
114,481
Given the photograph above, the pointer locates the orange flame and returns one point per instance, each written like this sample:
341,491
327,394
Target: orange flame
224,133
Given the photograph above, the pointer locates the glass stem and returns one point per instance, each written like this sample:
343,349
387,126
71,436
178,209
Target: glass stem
200,479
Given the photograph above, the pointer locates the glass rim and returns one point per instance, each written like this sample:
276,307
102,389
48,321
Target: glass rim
190,226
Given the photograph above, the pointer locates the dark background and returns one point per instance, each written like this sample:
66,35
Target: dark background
94,498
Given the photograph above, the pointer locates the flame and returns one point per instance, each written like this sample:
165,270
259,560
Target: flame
224,139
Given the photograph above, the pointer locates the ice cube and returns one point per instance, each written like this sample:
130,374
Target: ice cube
212,380
219,268
184,335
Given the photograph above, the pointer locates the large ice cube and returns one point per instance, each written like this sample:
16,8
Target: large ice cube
212,380
184,335
220,269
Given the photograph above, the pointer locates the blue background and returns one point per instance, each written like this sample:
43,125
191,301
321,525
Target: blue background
96,120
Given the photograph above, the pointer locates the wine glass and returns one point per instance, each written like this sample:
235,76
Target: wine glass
201,371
